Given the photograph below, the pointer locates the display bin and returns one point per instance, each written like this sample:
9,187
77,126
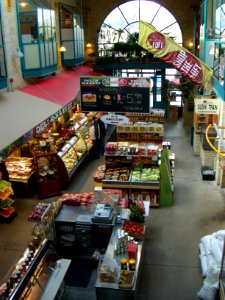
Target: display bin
208,173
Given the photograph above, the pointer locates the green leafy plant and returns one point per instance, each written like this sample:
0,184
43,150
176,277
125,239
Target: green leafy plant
137,213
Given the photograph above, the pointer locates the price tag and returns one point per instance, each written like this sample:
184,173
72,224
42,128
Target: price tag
129,157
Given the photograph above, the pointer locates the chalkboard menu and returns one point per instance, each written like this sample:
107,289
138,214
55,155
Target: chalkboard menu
115,94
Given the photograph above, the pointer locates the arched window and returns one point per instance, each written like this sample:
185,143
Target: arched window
123,21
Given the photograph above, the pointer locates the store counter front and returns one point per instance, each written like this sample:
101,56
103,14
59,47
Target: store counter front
117,289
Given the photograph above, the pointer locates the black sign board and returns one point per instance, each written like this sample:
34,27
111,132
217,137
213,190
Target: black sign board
115,94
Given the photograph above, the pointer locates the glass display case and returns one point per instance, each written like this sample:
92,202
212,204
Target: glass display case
19,168
33,275
73,153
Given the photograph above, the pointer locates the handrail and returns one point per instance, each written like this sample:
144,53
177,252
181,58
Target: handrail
209,142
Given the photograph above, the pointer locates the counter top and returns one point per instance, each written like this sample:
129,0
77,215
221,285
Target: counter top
114,262
55,280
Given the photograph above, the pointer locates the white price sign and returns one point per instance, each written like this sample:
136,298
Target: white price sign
114,119
207,106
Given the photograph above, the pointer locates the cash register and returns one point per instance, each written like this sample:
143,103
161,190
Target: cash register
103,213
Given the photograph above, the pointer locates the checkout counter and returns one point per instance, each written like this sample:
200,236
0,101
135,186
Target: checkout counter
82,225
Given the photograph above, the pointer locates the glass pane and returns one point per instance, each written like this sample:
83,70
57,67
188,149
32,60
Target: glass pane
115,19
31,57
69,54
148,10
42,50
133,28
124,20
163,19
132,14
28,28
40,25
53,25
173,31
66,18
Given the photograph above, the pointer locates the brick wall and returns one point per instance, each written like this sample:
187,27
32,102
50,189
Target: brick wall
10,35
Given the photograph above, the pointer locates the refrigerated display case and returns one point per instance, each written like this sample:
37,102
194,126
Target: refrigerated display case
73,153
38,274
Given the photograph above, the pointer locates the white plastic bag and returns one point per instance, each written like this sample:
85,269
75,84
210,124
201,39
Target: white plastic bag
207,292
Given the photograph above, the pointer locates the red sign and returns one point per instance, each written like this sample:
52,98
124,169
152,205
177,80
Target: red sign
168,50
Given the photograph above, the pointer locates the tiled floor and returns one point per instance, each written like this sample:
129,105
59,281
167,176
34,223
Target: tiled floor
171,267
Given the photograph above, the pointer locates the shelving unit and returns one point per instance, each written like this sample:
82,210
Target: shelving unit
155,116
7,211
201,121
47,172
141,131
120,168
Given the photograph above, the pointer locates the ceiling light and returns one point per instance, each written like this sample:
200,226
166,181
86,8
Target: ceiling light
23,4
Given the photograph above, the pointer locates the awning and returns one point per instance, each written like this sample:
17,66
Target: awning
19,113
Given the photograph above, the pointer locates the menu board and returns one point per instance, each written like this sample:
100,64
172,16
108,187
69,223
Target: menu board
115,94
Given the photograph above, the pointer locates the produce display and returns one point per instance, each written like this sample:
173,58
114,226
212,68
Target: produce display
75,199
5,204
144,174
134,229
99,174
131,148
5,189
126,279
137,212
38,211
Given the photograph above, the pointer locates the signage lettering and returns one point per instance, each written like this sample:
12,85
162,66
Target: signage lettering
207,106
115,94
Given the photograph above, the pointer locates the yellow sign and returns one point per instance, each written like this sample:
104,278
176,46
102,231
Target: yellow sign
169,51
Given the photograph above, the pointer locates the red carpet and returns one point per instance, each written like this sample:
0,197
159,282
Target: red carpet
62,88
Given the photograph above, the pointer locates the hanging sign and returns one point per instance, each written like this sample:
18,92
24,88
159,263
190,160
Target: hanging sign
114,119
171,52
115,94
207,106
